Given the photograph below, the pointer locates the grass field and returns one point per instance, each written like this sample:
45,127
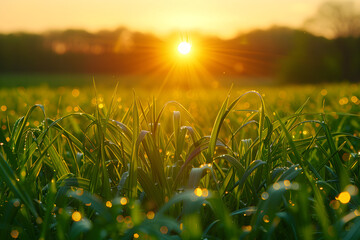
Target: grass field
82,162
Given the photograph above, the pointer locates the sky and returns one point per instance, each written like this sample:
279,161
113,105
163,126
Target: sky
224,18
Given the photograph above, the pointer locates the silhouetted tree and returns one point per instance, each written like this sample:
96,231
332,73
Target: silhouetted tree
319,59
335,19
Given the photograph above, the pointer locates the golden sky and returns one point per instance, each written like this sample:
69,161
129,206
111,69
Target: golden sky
225,18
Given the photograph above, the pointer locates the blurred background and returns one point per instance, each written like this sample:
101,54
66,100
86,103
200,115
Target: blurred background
263,43
291,52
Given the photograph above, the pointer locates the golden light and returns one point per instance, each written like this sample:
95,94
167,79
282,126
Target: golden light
264,196
184,48
205,192
123,201
246,228
198,192
76,216
14,233
266,219
108,204
344,197
150,215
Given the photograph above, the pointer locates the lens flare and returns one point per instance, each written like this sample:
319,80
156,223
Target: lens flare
184,48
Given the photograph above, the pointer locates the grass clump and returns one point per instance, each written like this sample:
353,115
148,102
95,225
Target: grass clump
151,173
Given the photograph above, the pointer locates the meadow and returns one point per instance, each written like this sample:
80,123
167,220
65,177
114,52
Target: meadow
106,162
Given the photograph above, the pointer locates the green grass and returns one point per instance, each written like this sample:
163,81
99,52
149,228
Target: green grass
196,164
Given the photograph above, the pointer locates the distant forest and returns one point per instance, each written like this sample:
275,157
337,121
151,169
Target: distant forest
279,53
284,54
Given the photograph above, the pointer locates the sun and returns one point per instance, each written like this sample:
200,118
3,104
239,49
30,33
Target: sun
184,48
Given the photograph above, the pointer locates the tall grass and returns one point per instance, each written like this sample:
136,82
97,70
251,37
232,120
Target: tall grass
143,174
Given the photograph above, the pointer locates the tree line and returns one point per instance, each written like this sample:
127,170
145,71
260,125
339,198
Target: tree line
281,53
